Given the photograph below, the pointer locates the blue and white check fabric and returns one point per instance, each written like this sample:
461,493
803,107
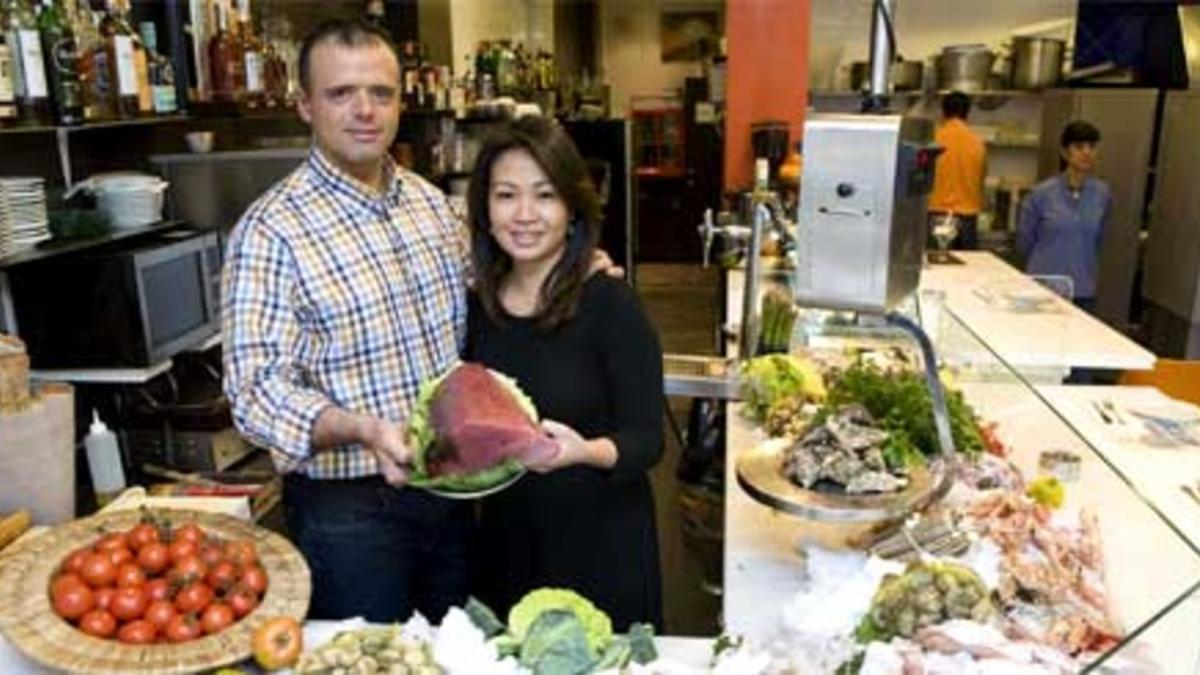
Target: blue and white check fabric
335,294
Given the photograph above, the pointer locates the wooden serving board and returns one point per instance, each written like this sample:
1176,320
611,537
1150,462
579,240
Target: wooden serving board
30,624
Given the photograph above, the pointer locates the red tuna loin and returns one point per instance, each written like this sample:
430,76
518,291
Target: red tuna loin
479,423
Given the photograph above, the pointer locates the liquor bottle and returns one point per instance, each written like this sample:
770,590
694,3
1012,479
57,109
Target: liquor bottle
161,72
62,62
376,15
95,73
119,50
8,102
227,67
410,75
29,71
141,70
252,56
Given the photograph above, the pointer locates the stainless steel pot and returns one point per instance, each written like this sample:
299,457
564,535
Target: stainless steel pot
907,75
964,68
1036,62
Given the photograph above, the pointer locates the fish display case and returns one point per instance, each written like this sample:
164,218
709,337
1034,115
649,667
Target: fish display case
1073,569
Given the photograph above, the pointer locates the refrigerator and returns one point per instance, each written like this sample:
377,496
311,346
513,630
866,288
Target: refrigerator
1172,274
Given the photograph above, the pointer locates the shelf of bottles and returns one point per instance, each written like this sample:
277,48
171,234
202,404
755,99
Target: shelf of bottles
81,63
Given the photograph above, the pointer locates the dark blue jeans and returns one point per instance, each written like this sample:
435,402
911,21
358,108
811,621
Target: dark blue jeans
376,551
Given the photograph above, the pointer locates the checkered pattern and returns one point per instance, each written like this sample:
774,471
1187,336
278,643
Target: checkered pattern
335,295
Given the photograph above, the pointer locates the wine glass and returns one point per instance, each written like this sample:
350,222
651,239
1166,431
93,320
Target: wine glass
945,229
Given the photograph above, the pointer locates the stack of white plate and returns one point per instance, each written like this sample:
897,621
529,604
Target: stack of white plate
23,220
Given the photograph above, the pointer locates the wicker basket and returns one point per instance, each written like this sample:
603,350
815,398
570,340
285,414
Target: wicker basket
30,624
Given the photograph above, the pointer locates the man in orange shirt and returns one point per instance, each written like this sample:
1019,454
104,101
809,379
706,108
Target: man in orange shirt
958,180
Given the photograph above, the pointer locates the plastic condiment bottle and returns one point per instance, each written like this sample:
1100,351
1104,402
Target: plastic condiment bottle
104,461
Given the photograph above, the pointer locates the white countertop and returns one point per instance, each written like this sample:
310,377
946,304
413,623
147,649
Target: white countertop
1064,336
763,571
1047,342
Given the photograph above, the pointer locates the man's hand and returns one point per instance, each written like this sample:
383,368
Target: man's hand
601,262
386,441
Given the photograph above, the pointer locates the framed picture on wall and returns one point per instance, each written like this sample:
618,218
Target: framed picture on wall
689,34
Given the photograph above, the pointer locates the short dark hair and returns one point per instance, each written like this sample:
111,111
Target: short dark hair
344,32
550,146
956,104
1079,131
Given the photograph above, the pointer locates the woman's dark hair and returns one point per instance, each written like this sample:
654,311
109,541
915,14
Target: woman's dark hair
556,154
1079,132
344,32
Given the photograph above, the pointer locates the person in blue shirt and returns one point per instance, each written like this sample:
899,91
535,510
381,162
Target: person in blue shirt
1062,221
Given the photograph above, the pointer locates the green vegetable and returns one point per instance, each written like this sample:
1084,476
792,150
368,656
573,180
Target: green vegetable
778,319
556,644
853,666
725,642
596,624
483,617
617,655
902,404
766,380
641,643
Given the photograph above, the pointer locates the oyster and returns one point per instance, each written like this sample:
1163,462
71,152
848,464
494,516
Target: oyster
846,449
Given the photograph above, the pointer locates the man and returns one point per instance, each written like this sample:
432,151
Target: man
958,177
345,288
1061,225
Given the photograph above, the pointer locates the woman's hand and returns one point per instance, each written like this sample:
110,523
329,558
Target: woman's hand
573,449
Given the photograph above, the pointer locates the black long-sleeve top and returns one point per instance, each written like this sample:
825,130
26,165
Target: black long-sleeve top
585,528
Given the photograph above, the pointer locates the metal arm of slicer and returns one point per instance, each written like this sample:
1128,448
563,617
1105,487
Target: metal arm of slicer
749,239
941,413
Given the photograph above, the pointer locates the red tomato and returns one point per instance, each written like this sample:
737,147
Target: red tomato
65,580
98,623
98,570
154,557
140,632
120,556
73,601
160,613
254,579
112,541
211,554
104,597
158,589
141,535
194,598
222,575
242,602
74,562
181,548
182,628
216,618
128,603
190,532
130,574
241,552
189,569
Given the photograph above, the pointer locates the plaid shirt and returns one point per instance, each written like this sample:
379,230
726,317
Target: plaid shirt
336,295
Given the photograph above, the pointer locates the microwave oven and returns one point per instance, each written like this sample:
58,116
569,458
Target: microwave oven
125,307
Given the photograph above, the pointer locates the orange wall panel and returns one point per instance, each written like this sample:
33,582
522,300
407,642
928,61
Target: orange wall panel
767,76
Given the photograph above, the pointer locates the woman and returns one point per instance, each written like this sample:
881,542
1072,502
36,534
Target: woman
1062,220
579,345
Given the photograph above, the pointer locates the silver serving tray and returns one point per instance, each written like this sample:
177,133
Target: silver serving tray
760,474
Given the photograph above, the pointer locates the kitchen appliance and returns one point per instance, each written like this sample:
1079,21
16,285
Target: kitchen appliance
213,189
118,306
964,68
860,236
1037,62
